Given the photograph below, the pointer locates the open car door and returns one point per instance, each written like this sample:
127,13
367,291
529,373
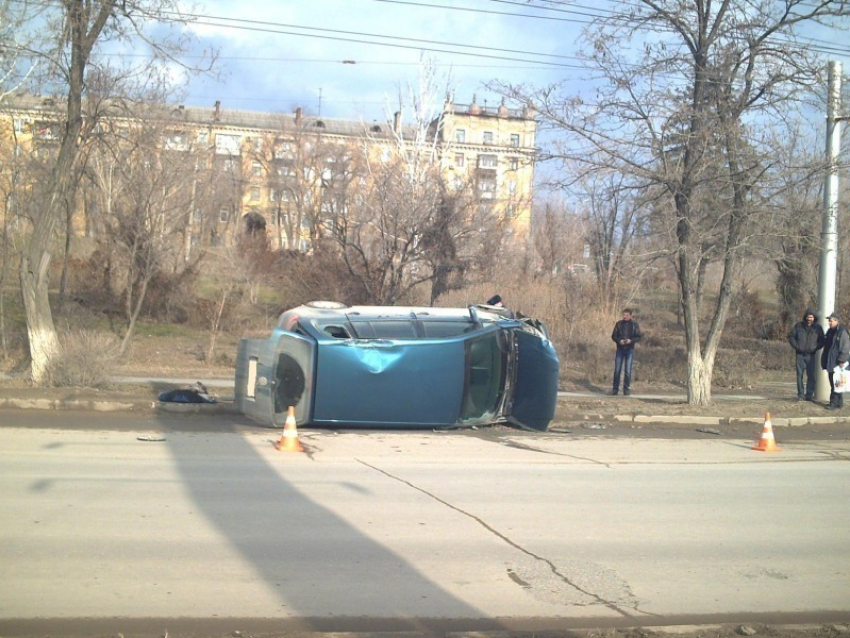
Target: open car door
536,382
273,374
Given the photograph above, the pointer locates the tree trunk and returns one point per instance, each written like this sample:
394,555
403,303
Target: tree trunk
699,380
43,340
216,324
35,263
134,317
66,255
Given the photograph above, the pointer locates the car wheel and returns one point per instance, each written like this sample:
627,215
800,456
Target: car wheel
327,305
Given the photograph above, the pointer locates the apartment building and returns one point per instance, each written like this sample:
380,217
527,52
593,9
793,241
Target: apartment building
278,172
495,146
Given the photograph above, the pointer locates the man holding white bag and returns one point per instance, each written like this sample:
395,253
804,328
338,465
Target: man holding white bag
836,352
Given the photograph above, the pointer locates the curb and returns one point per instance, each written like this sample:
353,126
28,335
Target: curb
738,628
130,405
719,420
227,406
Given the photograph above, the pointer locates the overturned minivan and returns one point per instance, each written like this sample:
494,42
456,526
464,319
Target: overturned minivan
400,367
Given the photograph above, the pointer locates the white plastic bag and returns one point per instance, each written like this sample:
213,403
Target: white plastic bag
841,379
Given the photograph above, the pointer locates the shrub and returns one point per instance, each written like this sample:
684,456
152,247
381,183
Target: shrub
659,365
87,359
736,368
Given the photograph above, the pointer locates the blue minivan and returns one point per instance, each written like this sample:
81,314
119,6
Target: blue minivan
400,367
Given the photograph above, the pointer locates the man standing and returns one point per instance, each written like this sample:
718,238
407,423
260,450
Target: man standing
836,351
806,338
626,334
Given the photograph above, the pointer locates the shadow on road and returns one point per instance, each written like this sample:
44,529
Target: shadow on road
274,526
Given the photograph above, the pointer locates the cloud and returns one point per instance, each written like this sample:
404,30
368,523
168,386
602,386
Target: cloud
278,53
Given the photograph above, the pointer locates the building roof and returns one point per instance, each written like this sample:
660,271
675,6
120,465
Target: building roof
218,116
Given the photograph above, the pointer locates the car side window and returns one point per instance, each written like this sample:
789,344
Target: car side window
485,366
337,332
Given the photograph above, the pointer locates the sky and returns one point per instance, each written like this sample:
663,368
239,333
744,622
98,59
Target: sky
350,58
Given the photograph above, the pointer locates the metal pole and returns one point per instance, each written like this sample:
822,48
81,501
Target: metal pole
829,228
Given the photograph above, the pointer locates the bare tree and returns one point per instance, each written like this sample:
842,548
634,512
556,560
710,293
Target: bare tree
402,224
143,188
795,246
16,66
78,27
237,271
688,90
298,165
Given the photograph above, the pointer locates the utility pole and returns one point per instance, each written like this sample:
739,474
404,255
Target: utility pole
829,228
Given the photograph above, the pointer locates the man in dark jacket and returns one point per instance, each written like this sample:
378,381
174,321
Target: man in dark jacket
836,352
806,338
626,334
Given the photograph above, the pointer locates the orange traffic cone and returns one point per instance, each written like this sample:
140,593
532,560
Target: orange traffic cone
289,440
767,443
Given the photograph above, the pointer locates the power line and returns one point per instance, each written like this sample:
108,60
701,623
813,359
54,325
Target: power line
344,62
427,5
272,28
263,25
435,46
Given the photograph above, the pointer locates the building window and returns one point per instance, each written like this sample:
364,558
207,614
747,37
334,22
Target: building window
255,194
487,161
459,160
203,139
283,150
223,215
176,142
512,188
487,189
488,137
514,163
515,140
45,131
460,136
256,169
227,144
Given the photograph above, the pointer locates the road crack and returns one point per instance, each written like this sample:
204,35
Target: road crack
564,578
531,448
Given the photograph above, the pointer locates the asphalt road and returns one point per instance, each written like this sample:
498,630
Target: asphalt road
120,523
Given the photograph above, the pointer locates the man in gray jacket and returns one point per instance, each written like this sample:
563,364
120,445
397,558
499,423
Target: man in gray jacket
806,338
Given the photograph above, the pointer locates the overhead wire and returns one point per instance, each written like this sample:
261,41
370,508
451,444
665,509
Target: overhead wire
577,14
430,45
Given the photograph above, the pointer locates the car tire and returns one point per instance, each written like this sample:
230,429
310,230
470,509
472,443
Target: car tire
327,305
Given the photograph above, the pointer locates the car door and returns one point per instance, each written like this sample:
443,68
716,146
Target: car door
536,382
273,374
